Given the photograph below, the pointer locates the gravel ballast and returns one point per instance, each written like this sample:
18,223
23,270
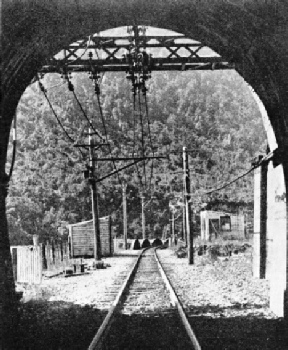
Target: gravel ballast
66,312
227,307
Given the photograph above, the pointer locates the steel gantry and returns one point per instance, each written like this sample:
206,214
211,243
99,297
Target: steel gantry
159,50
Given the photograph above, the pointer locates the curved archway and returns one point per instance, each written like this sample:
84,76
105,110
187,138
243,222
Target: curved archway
251,34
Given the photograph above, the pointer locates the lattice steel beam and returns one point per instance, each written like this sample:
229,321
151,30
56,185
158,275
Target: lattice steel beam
108,53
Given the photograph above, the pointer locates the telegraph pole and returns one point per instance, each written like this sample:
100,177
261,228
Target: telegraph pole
173,226
124,187
187,197
184,219
143,215
94,197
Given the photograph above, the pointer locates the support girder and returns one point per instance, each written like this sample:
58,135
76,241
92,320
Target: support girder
106,53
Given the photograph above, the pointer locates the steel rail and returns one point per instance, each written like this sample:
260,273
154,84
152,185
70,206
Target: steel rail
97,342
99,339
176,302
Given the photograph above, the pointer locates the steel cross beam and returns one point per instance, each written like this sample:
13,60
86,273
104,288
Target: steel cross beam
108,53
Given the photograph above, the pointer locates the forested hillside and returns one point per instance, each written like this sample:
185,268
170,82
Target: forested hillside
213,114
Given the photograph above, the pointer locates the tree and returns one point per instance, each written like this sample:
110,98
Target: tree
212,114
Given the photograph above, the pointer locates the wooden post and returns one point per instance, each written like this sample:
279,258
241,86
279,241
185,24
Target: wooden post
173,227
44,258
93,186
187,197
14,263
184,223
143,216
124,187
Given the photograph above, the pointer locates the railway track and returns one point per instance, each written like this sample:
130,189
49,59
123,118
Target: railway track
146,313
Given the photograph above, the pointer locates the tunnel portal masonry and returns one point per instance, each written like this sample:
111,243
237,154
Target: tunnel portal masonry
251,34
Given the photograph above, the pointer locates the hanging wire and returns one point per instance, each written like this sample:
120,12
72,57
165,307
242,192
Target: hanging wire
232,181
106,134
85,115
95,78
150,137
42,88
142,136
134,140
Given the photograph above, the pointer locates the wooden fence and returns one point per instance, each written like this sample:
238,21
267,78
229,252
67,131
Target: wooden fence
27,264
55,256
29,261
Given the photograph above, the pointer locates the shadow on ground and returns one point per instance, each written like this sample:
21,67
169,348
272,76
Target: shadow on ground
237,332
51,325
57,325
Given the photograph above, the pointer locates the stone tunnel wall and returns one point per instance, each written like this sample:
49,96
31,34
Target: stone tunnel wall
251,34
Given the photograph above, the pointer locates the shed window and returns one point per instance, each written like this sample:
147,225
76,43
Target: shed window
225,223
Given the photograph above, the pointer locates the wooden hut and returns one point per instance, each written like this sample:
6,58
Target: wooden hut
218,224
81,238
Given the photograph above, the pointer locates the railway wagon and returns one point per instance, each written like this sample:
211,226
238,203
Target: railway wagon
81,238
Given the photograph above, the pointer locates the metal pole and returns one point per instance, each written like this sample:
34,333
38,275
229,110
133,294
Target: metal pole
187,197
94,197
124,187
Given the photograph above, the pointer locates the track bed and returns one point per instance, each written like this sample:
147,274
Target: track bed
146,318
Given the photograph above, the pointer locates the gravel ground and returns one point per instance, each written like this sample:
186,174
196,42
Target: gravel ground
219,289
95,288
227,307
66,312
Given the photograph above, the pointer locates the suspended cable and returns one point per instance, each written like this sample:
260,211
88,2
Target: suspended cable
150,136
85,115
106,134
142,135
134,123
95,77
231,182
42,88
134,139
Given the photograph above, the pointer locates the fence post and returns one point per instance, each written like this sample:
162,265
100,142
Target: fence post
44,259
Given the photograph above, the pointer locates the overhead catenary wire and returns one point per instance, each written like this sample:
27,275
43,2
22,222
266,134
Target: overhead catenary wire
150,136
134,140
85,115
255,166
106,135
221,187
42,88
97,93
142,134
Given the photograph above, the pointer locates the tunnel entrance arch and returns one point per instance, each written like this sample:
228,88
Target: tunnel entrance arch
250,34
